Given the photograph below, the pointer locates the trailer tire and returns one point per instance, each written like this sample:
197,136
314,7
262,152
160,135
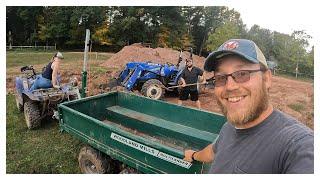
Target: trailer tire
91,161
19,106
32,114
153,89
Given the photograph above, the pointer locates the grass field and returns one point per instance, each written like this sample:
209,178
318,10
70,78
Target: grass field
45,150
31,58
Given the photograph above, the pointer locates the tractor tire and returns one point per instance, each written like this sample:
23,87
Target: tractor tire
32,114
91,161
153,89
19,106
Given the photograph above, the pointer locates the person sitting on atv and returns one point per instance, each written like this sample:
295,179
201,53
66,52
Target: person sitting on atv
50,76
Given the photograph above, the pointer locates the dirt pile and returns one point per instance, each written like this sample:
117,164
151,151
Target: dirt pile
138,53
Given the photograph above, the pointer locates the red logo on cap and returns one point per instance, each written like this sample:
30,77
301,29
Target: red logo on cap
231,45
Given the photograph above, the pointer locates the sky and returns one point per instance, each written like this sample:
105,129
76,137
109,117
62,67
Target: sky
280,16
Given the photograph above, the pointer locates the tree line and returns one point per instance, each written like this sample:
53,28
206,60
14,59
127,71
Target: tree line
203,28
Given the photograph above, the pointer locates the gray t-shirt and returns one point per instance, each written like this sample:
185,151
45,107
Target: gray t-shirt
280,144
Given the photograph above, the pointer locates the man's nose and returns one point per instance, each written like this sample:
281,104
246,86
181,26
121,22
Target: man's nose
231,84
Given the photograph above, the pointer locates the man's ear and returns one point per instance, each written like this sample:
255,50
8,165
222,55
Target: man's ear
267,78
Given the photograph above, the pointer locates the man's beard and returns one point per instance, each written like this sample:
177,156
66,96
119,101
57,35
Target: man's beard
259,104
189,66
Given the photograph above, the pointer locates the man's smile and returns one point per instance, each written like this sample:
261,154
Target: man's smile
235,99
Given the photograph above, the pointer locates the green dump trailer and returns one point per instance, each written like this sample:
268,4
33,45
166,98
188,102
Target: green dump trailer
125,132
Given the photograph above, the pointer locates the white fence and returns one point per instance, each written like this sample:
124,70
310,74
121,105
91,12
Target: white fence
32,47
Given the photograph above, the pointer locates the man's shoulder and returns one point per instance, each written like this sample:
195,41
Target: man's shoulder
226,128
290,129
197,68
297,145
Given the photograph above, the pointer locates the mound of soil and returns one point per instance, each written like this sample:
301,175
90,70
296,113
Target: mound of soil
138,53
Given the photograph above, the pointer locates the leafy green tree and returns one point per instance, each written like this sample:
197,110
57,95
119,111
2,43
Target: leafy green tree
290,52
228,30
263,38
128,25
23,24
55,25
82,18
101,34
207,19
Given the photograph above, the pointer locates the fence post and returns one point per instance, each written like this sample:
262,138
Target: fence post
297,70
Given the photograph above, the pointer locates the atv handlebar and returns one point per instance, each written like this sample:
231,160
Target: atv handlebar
27,68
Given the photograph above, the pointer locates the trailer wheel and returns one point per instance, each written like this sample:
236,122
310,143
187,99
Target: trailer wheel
91,161
19,106
32,114
153,89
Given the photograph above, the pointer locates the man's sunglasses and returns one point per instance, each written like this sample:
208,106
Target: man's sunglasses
238,76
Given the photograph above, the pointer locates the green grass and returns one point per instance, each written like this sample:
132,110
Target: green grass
297,107
45,150
24,58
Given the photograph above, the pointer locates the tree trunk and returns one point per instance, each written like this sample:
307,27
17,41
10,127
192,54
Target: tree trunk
202,44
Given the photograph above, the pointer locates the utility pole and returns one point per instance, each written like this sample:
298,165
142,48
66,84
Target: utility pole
297,69
84,70
297,65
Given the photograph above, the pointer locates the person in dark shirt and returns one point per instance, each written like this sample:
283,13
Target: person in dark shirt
190,75
256,138
50,76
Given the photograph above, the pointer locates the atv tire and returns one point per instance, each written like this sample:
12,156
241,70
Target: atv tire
19,106
32,114
91,161
153,89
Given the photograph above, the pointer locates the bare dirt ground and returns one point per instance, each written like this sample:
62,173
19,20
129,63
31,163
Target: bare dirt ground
293,97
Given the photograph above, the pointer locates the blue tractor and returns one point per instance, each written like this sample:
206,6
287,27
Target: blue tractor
40,103
152,79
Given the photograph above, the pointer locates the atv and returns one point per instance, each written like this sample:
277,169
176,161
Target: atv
40,103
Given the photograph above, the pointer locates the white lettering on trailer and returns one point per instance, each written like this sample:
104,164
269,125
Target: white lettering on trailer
174,160
151,151
134,144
